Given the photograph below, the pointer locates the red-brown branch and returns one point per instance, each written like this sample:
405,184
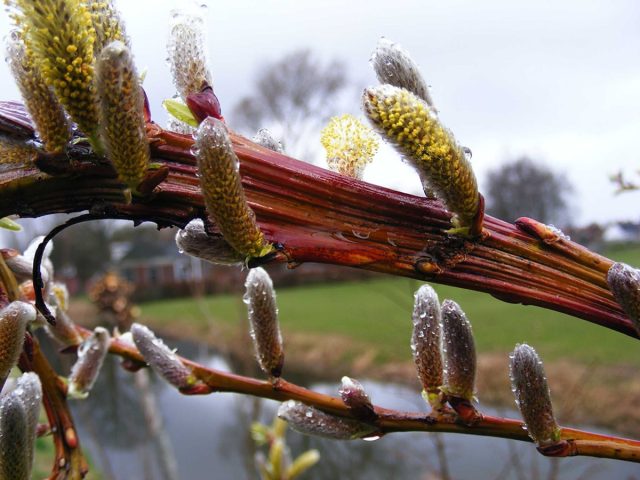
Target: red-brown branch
315,215
573,441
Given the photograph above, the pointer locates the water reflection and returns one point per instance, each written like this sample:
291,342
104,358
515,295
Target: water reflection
209,436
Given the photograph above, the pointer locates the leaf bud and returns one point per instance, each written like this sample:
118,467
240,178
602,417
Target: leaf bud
354,396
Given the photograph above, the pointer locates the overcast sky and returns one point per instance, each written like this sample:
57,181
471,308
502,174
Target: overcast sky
556,80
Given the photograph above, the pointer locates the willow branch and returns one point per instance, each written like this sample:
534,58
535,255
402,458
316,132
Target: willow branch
573,442
69,462
314,215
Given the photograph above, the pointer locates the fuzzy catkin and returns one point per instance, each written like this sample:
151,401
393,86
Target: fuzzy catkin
265,138
59,35
187,55
107,24
408,122
14,440
122,114
29,391
13,324
350,145
394,65
222,190
91,355
161,358
41,103
426,339
533,397
64,331
194,240
624,283
260,298
311,421
16,153
459,352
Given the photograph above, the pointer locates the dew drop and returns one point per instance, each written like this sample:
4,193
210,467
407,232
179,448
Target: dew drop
372,438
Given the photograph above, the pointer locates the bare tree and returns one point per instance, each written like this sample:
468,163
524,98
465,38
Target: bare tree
292,98
525,188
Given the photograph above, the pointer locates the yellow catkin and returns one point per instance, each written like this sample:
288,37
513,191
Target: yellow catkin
222,190
16,153
107,24
59,35
122,122
43,107
350,145
409,123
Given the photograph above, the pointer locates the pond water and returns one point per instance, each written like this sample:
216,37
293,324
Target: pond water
207,437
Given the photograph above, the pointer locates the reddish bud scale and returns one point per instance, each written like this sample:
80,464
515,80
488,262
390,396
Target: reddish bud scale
204,104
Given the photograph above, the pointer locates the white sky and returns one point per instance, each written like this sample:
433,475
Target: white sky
557,80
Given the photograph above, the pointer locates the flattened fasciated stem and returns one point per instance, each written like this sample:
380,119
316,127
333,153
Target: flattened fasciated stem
313,213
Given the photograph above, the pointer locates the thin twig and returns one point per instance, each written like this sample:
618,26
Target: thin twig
573,442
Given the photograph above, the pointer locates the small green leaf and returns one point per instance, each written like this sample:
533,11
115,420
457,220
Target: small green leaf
78,140
279,427
9,224
180,111
275,457
259,433
303,463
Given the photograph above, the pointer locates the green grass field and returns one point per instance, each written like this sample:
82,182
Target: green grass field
379,312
